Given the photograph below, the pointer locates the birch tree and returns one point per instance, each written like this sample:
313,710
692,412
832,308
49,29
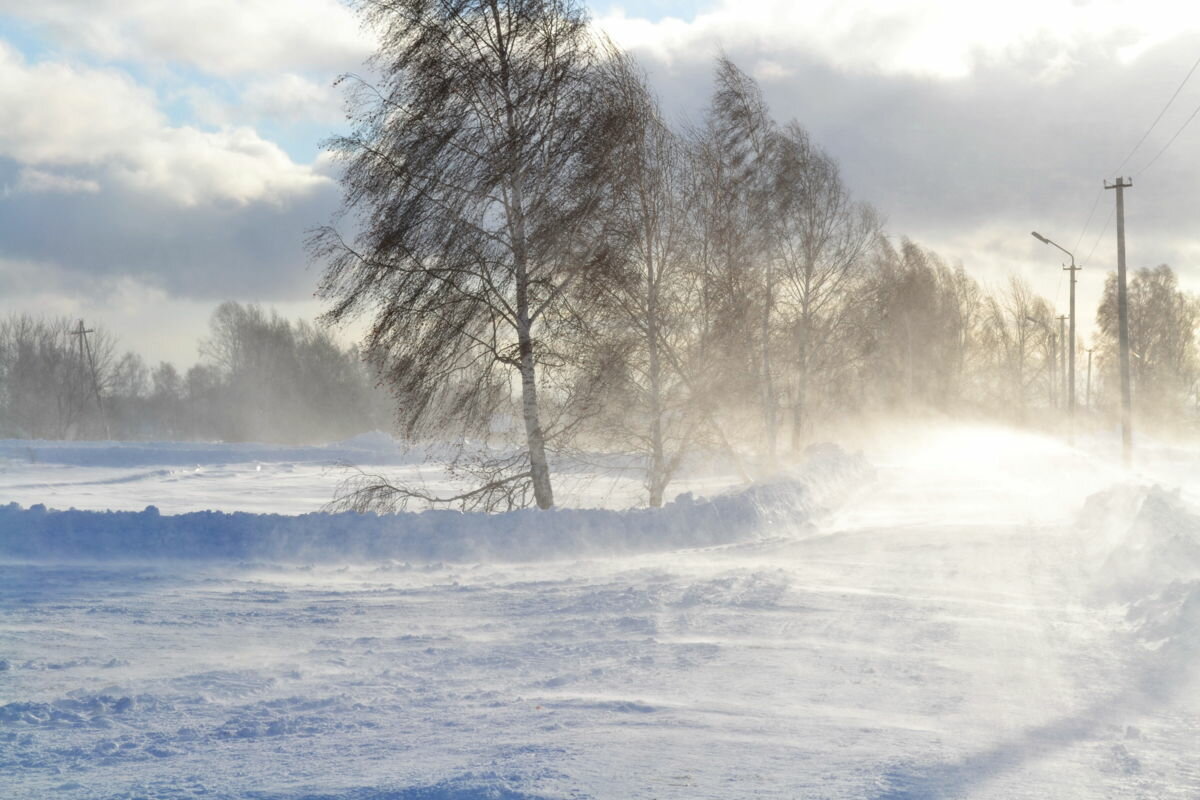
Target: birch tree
824,238
747,138
1162,340
480,169
646,322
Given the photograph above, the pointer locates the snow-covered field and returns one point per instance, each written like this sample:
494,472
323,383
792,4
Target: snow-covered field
967,613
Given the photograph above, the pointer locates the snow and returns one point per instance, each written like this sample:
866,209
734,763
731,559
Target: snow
979,613
178,477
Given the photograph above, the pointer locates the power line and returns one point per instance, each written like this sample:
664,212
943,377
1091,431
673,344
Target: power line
1149,130
1099,236
1091,213
1171,140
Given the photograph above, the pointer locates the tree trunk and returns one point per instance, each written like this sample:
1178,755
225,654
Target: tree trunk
543,493
800,405
657,479
768,387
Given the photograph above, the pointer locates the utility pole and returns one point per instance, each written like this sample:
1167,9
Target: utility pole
85,347
1088,397
1053,367
1121,185
1062,353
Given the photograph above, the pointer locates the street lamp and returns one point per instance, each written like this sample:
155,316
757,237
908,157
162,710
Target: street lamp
1071,346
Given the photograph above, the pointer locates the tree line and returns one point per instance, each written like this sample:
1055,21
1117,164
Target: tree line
546,260
260,378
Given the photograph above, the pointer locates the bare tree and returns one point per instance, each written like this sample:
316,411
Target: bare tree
645,322
48,388
1162,340
479,168
746,142
919,317
823,238
1015,338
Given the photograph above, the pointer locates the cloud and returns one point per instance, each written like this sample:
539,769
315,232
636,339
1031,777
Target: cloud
143,175
35,181
61,115
209,251
293,98
233,165
224,38
928,38
100,185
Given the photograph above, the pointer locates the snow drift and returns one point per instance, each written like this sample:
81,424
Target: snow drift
769,508
1152,563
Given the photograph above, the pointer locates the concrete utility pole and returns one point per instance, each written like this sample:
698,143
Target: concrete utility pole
1062,352
1121,185
1070,377
1088,397
1054,398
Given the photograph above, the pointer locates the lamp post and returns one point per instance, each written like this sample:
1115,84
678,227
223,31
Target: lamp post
1071,344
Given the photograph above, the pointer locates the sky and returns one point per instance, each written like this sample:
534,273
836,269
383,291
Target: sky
158,158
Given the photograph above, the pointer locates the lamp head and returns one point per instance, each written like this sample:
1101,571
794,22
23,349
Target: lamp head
1040,238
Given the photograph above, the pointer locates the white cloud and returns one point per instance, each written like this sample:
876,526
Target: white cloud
771,70
931,38
59,116
207,106
218,37
233,164
35,181
291,98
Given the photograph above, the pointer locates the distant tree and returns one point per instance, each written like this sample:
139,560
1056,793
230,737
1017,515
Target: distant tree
1015,342
480,169
1162,341
262,377
166,401
127,388
203,398
916,329
275,380
254,353
47,389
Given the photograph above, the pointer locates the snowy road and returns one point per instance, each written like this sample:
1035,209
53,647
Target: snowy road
939,636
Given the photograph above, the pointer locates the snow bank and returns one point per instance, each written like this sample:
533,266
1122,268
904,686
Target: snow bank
1160,542
769,508
1152,565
